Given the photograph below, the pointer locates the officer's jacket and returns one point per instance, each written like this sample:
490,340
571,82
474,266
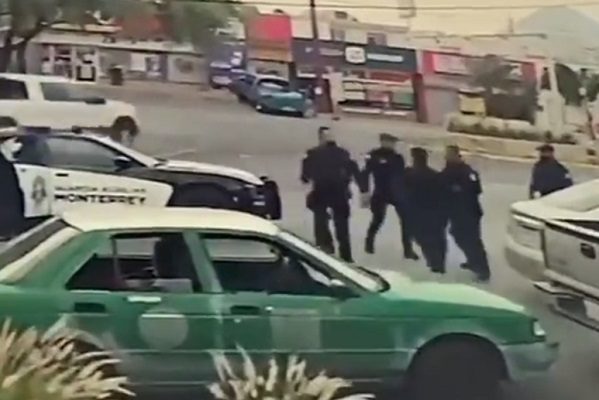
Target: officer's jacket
12,204
387,168
329,168
425,193
549,176
463,188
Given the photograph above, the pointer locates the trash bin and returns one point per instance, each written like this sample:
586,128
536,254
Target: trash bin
116,75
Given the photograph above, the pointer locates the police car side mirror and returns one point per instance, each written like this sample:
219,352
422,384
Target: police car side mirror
122,163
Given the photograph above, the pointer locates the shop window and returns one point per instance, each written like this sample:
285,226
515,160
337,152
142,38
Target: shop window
378,39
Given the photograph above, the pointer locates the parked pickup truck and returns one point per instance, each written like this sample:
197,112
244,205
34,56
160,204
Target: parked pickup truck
52,102
571,278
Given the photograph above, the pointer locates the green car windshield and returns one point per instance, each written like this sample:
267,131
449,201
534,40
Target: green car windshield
359,277
273,86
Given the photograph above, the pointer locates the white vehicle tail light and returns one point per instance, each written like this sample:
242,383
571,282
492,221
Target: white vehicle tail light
525,231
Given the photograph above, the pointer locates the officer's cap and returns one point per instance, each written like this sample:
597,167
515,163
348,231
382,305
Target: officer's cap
546,148
387,137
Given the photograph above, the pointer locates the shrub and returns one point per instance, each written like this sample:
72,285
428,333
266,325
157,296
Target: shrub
275,382
567,138
36,366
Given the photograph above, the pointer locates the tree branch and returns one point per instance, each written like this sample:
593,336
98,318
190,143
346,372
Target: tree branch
39,27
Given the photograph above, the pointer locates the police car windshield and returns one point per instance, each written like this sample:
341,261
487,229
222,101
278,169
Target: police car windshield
144,159
363,279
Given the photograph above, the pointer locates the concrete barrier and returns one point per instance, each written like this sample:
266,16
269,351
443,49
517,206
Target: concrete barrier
524,149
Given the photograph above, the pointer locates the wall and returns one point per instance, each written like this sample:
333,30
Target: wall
186,68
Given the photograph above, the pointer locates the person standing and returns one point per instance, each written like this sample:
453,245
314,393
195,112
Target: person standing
12,203
548,174
329,168
465,213
425,195
387,167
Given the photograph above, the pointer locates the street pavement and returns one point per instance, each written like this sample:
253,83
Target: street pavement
232,134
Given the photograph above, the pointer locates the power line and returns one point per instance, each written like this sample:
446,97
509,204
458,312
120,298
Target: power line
336,5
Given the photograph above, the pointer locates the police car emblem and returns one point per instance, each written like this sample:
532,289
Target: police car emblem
38,193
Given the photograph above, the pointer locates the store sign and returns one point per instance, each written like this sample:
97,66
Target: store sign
355,55
330,52
390,58
450,64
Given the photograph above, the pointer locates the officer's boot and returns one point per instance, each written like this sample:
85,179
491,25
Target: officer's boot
369,245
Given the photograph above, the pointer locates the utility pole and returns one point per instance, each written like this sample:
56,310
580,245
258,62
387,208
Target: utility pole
318,67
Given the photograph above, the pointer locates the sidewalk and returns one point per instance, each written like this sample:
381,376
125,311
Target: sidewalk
148,91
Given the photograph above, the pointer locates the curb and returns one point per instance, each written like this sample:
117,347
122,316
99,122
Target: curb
378,113
180,93
437,145
521,150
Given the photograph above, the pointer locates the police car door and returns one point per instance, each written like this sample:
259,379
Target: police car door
84,172
34,176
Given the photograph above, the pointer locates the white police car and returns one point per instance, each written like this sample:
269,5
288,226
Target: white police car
58,171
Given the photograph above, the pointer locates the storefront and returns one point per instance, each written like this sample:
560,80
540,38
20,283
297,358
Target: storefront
372,77
268,44
445,74
226,62
380,77
77,62
305,61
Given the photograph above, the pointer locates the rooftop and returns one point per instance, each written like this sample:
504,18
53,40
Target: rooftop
119,217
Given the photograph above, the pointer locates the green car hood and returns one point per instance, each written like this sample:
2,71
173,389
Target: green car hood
458,298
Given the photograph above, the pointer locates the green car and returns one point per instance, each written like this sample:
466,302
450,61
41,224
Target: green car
270,94
162,288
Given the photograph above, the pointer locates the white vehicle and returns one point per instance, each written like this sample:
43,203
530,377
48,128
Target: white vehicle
523,247
52,102
571,277
59,171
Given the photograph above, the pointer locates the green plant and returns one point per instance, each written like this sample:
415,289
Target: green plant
48,366
275,382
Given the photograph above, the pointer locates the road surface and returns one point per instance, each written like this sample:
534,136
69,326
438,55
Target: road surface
235,135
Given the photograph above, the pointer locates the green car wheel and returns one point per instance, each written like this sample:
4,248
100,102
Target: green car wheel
465,369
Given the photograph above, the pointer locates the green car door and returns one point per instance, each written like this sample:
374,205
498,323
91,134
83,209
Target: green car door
297,305
141,295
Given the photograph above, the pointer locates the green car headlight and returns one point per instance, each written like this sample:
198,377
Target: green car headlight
538,330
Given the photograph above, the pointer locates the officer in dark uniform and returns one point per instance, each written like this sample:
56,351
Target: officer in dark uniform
425,194
12,203
387,167
465,212
548,174
330,169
